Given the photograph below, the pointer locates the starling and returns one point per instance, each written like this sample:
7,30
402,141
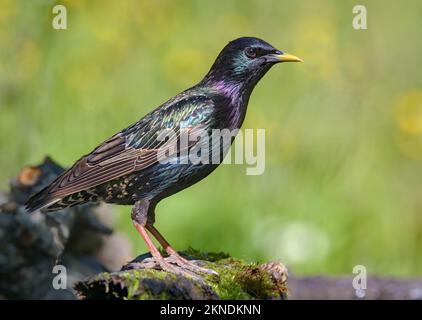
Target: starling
126,168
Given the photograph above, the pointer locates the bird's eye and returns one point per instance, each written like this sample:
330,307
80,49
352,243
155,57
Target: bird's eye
250,52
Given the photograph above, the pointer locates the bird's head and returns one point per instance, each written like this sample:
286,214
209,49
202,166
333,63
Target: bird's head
245,60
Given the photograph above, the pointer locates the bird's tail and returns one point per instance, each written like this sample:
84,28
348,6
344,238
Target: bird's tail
39,201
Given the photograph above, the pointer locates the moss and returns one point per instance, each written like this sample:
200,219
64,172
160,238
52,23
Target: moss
224,284
236,279
192,253
257,282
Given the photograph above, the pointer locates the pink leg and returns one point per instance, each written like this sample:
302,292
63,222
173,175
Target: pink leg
153,250
174,256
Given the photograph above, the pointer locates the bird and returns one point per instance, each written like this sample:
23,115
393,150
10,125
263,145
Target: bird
126,169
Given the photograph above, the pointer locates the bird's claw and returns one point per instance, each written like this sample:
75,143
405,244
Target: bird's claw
167,265
190,265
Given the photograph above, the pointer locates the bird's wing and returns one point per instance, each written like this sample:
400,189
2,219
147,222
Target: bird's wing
134,148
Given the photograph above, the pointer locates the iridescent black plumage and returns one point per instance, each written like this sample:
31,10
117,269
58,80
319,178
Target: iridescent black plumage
125,168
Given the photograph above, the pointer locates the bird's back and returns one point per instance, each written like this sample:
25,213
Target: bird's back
126,167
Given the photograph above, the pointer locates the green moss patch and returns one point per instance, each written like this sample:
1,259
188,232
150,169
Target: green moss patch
236,279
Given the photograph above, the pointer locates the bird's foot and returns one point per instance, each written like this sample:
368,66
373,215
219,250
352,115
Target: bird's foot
165,265
190,265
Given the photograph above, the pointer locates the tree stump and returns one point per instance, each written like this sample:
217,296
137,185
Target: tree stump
236,280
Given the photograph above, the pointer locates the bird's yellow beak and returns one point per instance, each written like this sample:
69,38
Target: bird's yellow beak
285,57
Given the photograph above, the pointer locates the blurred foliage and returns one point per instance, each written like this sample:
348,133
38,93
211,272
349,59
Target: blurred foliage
344,130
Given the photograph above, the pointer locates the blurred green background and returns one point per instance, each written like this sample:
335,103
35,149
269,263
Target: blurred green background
343,175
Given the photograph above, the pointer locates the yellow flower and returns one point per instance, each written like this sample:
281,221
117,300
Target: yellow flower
408,115
408,112
7,9
316,37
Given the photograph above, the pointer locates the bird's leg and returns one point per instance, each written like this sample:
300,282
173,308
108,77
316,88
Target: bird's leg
152,249
174,257
139,219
